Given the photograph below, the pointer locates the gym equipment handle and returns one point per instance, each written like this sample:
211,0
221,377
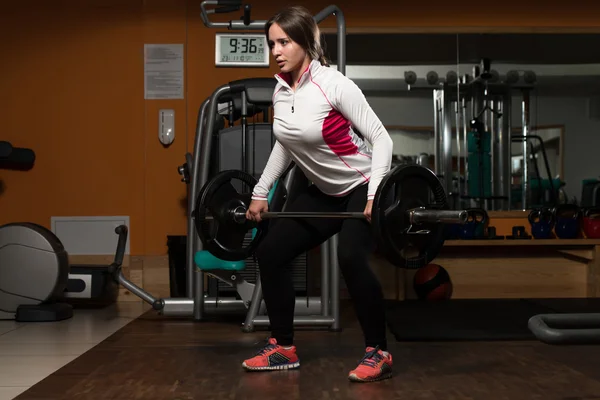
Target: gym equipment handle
563,328
226,9
120,230
247,17
5,149
15,157
117,272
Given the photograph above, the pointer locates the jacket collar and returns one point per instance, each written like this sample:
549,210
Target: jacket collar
286,80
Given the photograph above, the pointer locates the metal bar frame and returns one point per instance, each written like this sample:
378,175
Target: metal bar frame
466,96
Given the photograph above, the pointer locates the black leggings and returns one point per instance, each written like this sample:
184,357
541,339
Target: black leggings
288,238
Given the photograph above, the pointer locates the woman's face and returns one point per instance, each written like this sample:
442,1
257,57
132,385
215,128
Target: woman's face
288,54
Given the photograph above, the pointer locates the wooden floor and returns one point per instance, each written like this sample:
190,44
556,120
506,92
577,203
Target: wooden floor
159,358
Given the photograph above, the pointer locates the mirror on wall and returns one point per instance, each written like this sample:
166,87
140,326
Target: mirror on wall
541,88
545,151
474,107
416,145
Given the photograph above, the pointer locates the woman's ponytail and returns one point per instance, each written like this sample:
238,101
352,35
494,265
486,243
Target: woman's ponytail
319,53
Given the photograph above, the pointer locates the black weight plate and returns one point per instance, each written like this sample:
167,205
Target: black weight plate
403,188
222,236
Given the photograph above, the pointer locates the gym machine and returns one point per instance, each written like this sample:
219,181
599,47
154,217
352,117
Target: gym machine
243,97
35,279
34,266
478,109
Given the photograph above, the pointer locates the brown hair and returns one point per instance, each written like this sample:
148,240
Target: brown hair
298,23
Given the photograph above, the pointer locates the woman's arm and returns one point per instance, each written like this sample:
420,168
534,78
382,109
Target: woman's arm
351,102
279,160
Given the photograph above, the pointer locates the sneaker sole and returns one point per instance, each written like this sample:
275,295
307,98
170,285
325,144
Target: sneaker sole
272,367
355,378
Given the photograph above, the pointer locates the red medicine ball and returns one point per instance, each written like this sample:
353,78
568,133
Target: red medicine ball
432,283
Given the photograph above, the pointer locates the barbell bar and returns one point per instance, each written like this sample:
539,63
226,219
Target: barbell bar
415,216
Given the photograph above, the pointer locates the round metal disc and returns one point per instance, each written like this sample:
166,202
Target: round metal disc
222,236
403,188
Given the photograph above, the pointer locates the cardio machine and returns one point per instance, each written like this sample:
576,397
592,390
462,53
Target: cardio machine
34,265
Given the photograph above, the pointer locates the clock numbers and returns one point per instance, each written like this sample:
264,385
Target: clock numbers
245,46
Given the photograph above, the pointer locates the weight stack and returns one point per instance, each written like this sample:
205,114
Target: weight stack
480,164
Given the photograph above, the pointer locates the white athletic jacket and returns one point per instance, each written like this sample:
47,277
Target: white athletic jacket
314,127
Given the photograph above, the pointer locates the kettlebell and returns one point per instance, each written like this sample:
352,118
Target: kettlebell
567,219
542,222
591,222
477,222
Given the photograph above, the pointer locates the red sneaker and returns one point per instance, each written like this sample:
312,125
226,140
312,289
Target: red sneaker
273,357
375,366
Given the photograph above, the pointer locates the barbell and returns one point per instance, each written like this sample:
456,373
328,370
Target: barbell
415,216
408,217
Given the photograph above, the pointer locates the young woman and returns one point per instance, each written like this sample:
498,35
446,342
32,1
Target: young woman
316,112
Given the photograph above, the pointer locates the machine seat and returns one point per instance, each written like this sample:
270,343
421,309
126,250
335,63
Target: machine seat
205,261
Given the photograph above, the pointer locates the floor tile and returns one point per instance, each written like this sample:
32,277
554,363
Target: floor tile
29,370
8,326
9,393
29,352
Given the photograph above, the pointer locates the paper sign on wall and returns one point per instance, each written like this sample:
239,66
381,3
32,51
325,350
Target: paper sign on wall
163,71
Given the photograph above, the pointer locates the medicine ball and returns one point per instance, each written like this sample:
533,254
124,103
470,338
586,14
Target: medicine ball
432,283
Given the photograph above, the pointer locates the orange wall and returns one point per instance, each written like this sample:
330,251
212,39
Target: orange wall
72,82
71,86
